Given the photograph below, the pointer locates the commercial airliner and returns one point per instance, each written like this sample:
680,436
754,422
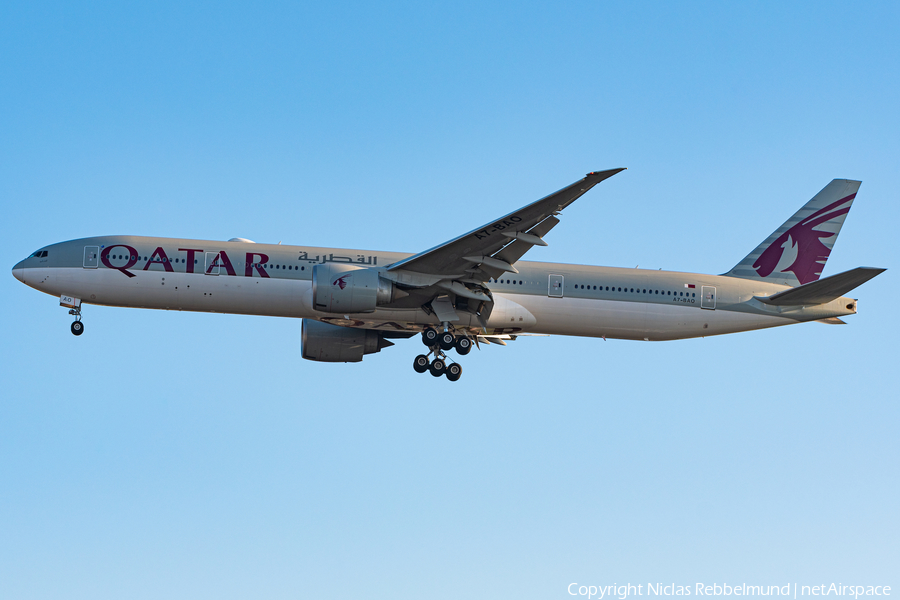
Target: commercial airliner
471,290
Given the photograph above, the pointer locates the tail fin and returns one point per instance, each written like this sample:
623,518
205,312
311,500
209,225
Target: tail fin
796,252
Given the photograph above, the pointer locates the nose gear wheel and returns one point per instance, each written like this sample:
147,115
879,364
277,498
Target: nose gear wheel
77,326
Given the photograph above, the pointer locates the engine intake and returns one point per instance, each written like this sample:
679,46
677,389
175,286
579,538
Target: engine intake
339,288
325,342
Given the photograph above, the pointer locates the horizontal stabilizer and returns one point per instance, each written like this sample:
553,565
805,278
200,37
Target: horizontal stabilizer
823,290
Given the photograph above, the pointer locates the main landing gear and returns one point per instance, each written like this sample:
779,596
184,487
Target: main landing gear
439,344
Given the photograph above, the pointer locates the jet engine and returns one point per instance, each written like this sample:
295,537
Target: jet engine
346,289
325,342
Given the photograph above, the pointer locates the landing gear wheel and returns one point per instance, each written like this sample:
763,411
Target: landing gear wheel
454,372
429,336
446,340
437,367
77,328
420,364
463,346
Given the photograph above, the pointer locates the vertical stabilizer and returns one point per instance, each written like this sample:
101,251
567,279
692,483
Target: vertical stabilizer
796,252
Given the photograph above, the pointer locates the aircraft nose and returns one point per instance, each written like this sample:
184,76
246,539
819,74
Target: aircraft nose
19,271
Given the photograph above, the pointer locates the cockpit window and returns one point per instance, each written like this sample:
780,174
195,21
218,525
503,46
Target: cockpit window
39,254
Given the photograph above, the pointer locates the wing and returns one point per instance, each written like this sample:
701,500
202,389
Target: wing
449,280
493,248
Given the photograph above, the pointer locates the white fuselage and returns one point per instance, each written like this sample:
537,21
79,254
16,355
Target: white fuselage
275,280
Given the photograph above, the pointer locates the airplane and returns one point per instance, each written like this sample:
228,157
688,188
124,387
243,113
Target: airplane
469,291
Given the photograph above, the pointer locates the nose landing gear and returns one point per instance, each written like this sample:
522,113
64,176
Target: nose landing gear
439,344
77,326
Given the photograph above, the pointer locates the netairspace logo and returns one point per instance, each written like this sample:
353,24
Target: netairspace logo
791,590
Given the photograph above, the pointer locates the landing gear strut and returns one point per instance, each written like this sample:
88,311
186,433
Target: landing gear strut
438,344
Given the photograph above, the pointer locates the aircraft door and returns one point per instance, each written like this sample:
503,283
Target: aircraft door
91,257
212,263
555,286
708,297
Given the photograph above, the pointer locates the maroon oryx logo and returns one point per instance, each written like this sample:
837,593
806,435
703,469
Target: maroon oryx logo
806,241
341,281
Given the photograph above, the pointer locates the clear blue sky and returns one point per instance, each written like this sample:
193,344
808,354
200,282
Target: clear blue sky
183,455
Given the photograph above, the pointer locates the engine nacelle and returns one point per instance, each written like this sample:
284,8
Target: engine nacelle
325,342
346,289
